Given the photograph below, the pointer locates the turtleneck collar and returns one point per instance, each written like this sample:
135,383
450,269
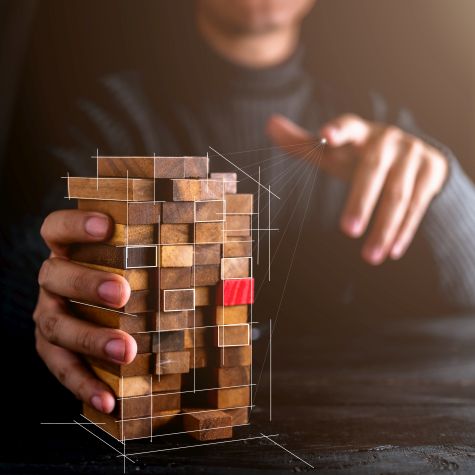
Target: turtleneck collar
229,76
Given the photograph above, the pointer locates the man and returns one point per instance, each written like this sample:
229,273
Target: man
240,76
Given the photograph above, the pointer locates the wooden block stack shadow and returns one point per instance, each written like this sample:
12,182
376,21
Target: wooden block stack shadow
183,241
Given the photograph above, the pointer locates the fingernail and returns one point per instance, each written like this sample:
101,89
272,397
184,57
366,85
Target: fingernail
353,226
115,349
374,255
96,402
97,226
110,291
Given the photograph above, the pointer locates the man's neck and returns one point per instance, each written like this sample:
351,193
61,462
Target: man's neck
255,50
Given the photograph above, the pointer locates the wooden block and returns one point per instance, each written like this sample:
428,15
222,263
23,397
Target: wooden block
178,190
235,267
209,233
172,362
175,277
164,321
178,299
200,317
176,233
206,275
176,213
212,190
234,356
124,235
235,292
140,301
168,341
238,225
125,387
240,415
201,358
132,213
204,296
144,342
204,425
123,257
198,337
231,314
209,211
196,167
239,204
207,254
166,383
140,366
127,429
235,248
138,279
111,318
119,189
144,406
231,397
230,181
165,402
162,419
232,335
188,190
142,167
176,256
236,376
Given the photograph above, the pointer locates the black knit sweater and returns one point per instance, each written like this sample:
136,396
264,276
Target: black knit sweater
194,99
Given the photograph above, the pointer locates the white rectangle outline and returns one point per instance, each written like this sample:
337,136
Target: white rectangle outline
181,309
137,246
236,278
233,325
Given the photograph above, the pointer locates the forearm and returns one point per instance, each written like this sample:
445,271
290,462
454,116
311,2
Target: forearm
449,228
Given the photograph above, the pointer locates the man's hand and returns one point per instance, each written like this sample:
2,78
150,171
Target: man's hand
60,337
393,178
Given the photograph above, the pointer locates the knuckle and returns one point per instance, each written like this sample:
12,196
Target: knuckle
79,281
44,272
49,326
392,134
86,341
83,388
397,194
349,117
44,227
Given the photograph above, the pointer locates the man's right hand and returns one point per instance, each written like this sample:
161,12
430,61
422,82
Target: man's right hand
61,338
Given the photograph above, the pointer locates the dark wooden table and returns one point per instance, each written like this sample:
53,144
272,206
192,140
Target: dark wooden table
372,397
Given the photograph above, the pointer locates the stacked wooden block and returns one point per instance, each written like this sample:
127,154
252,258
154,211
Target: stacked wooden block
183,241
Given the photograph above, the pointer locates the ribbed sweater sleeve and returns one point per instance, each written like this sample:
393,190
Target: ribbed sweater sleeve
449,228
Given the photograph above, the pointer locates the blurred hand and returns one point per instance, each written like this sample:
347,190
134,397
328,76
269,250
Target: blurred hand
393,178
60,337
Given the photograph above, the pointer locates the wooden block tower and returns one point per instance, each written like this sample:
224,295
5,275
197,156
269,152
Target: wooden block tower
182,238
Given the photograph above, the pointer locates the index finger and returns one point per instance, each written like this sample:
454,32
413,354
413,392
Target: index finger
65,227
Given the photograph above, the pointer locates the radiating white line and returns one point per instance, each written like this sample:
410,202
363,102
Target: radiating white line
240,169
102,440
268,437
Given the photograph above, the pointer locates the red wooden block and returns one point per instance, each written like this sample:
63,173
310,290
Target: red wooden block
235,292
